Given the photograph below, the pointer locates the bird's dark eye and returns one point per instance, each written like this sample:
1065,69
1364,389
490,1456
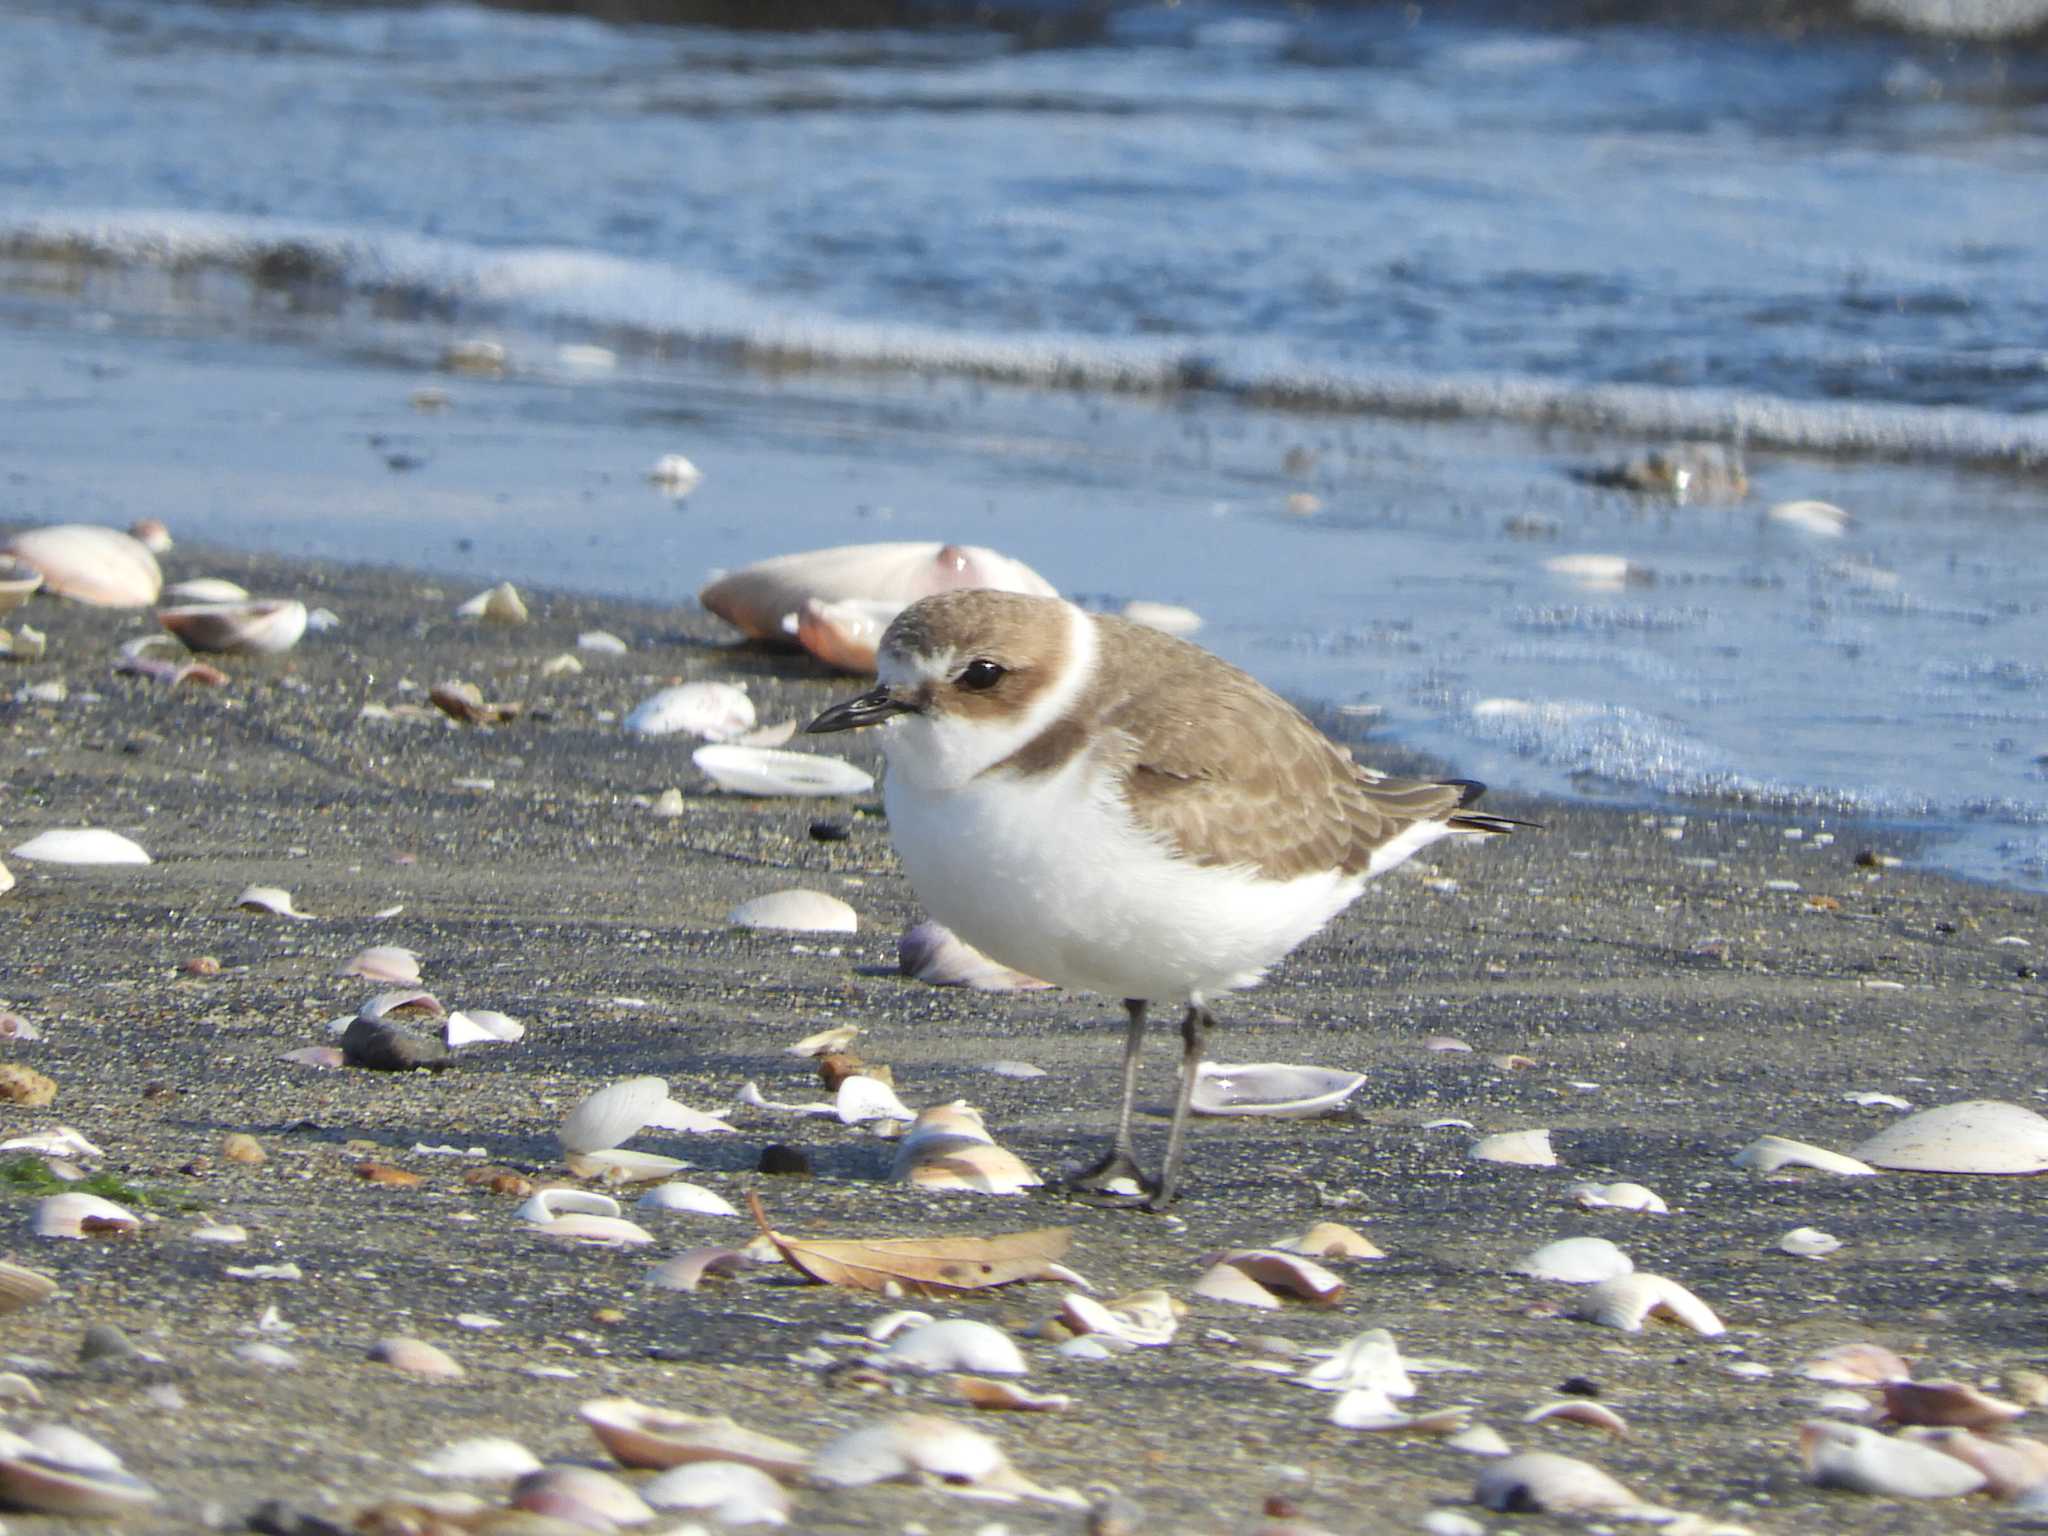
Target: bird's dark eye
979,675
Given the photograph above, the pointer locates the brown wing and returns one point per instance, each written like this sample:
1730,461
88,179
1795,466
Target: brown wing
1235,775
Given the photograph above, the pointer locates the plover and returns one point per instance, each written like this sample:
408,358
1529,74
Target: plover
1116,810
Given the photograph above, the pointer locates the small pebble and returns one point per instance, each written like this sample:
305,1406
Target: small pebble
241,1147
103,1341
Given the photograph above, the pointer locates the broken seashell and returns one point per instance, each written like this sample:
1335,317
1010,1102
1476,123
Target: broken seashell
1856,1364
729,1492
1576,1261
713,711
485,1456
1767,1154
796,911
982,1393
909,1446
479,1026
862,1098
1479,1440
1270,1088
759,599
639,1435
842,634
1220,1282
580,1497
237,629
80,845
1543,1482
380,962
686,1271
1332,1240
679,1196
410,1002
1954,1404
766,771
57,1141
78,1214
933,953
1275,1270
1369,1409
274,899
19,581
54,1470
2011,1464
1838,1455
1580,1410
613,1114
835,1039
623,1165
1529,1148
502,604
1628,1301
21,1287
963,1163
103,567
1622,1196
1369,1361
950,1345
1974,1136
1145,1319
559,1200
1809,1243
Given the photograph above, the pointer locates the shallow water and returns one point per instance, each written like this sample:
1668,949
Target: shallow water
1425,274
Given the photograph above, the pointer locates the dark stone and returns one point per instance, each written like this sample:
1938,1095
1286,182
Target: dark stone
830,831
1579,1386
103,1342
383,1046
791,1161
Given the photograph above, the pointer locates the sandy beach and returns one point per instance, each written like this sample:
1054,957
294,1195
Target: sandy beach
1656,991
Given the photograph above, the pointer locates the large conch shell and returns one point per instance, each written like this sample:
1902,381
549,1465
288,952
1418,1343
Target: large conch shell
836,602
101,566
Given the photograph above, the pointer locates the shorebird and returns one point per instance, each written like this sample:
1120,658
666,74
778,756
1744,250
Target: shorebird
1110,808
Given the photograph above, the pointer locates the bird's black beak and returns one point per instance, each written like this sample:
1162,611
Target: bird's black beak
871,708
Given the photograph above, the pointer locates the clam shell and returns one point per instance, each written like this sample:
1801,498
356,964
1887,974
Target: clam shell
80,845
274,899
1767,1154
1289,1273
1271,1088
580,1496
1541,1481
1623,1196
1953,1404
415,1357
1856,1364
862,1098
1629,1301
640,1435
100,566
384,963
1838,1455
547,1204
767,771
613,1114
1580,1410
1576,1261
2011,1464
77,1214
594,1231
1007,1395
502,604
964,1163
623,1165
678,1196
237,629
759,599
843,634
602,641
1332,1240
409,1001
713,711
730,1492
1369,1361
905,1445
1529,1148
57,1471
933,953
484,1456
796,911
1145,1319
1222,1282
686,1271
21,1287
953,1344
1366,1409
1974,1136
479,1026
207,589
19,581
6,879
1809,1243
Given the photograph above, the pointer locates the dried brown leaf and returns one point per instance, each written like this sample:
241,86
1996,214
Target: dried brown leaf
923,1266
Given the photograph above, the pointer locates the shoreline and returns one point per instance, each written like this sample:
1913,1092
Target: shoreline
1704,1005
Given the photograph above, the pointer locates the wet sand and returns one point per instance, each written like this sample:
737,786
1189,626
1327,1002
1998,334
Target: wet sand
1672,1001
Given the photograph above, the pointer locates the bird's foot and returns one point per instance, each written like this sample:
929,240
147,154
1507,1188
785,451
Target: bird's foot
1113,1179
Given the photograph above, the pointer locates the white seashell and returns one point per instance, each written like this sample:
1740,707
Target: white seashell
953,1344
406,1000
1529,1148
714,711
623,1165
760,598
672,1116
77,1214
1542,1481
675,475
1143,1319
1576,1261
56,1470
485,1456
837,1038
274,899
750,1095
1856,1364
580,1496
1273,1269
1373,1411
1270,1088
480,1026
502,604
19,581
904,1446
100,566
1579,1410
207,589
686,1271
237,629
6,879
80,845
679,1196
265,1356
546,1204
382,962
57,1141
765,771
1974,1136
1628,1301
1767,1154
416,1357
1331,1240
862,1098
1622,1196
1820,518
226,1233
1170,618
638,1435
1850,1456
594,1231
613,1114
730,1492
602,641
796,911
933,953
1877,1101
1809,1243
1479,1440
1370,1361
1596,573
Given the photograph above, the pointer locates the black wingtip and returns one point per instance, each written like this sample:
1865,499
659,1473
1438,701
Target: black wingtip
1469,792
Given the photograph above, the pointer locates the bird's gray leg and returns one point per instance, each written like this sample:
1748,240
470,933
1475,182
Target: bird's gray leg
1120,1162
1194,1039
